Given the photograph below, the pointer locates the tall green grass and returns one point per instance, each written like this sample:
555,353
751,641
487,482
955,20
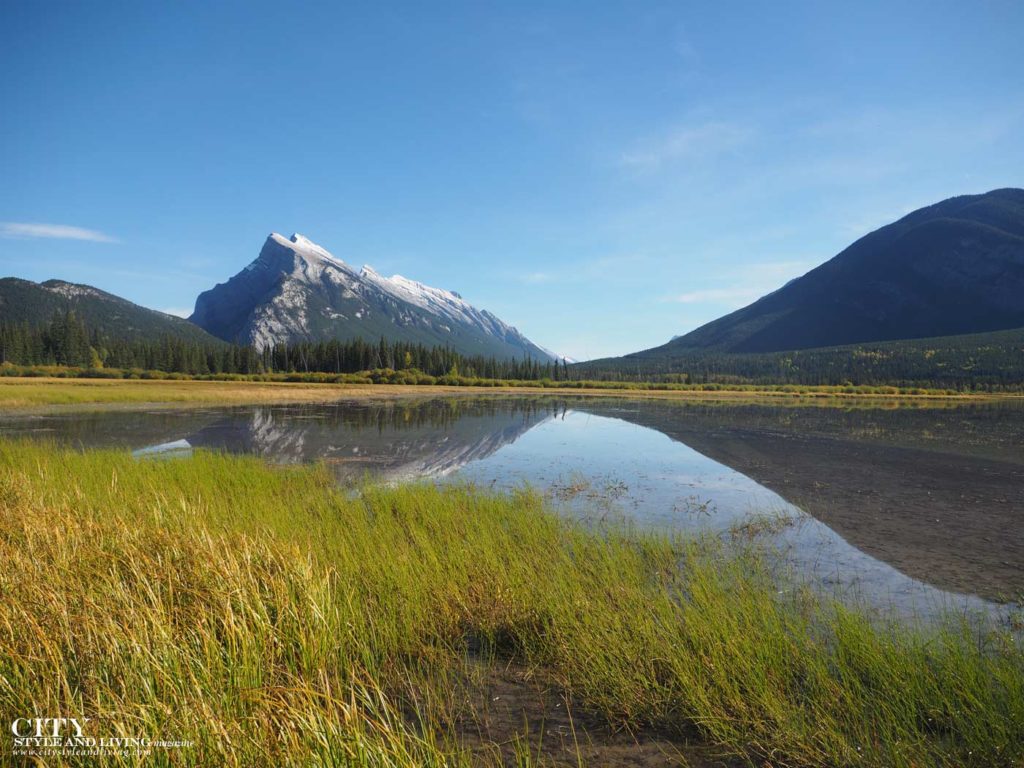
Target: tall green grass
273,619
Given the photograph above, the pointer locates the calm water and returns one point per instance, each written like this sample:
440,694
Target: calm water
919,509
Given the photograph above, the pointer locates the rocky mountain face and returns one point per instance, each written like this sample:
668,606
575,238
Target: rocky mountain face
24,301
297,291
956,267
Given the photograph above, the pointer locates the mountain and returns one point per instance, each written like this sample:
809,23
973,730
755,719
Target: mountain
295,290
23,301
390,441
994,359
956,267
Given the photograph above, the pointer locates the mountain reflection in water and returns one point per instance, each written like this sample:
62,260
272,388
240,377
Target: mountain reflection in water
899,498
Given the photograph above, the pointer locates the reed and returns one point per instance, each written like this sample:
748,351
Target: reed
272,618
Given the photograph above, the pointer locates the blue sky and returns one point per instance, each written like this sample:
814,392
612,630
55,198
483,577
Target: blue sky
602,175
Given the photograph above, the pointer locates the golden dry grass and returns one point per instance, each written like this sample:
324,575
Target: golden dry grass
29,393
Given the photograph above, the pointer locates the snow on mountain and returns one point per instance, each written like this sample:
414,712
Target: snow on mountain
71,290
559,357
446,304
298,290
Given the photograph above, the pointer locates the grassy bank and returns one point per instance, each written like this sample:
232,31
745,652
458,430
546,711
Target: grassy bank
271,619
17,394
45,391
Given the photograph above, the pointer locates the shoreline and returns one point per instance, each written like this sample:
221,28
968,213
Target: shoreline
29,394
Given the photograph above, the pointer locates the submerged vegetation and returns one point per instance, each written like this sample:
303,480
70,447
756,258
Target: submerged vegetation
270,618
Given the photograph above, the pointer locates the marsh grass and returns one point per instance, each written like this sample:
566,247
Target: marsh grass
20,394
273,619
52,389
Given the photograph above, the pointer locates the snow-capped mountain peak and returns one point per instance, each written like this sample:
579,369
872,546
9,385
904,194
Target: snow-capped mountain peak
298,290
305,247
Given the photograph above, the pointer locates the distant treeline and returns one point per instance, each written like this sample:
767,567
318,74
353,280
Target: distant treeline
988,362
67,341
983,362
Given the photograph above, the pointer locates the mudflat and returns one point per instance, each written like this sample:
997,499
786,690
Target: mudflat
938,495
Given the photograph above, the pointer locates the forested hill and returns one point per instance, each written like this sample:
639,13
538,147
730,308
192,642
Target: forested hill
105,315
67,341
974,361
956,267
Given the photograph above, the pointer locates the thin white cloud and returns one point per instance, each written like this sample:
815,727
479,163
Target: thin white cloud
719,296
177,311
15,230
618,269
684,47
690,142
769,272
748,284
874,219
917,127
535,278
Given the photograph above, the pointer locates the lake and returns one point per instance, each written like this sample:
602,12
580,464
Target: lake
913,508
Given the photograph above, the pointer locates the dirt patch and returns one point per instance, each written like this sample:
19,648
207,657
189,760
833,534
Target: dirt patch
511,710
